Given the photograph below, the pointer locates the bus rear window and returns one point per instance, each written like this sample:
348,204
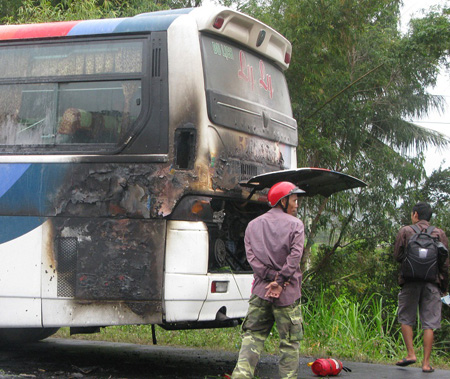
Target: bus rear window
246,92
240,73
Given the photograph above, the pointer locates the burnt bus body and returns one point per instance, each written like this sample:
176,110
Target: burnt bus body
133,154
102,153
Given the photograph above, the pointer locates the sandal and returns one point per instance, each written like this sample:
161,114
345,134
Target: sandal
405,362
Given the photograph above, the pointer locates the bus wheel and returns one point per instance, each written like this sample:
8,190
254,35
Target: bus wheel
24,335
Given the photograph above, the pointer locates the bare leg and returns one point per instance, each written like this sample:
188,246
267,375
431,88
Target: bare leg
407,332
428,337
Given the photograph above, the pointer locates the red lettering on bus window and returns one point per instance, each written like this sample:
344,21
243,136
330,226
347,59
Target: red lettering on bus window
265,80
245,71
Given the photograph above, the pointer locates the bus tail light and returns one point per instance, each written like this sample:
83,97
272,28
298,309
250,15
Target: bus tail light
219,287
287,58
218,22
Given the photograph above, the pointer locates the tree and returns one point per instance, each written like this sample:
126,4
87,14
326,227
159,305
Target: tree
29,11
436,191
9,7
353,80
32,11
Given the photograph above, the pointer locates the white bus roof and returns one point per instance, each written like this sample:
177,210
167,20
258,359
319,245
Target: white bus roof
212,19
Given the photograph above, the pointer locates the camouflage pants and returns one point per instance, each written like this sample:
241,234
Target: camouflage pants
257,325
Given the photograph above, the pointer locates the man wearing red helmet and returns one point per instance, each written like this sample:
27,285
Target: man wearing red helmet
274,245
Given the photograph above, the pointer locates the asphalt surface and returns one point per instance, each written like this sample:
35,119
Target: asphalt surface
66,358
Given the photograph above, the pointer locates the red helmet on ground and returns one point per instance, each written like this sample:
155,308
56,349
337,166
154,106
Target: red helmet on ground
281,190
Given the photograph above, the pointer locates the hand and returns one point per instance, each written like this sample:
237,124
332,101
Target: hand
273,290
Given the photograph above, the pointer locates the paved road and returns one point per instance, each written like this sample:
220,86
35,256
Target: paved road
65,358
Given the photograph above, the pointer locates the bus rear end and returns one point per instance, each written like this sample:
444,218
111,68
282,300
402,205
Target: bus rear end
133,154
232,120
123,146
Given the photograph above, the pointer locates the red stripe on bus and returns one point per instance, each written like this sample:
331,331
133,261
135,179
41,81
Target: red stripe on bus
49,29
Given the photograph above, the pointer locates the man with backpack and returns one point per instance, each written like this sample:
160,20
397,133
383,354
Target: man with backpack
422,251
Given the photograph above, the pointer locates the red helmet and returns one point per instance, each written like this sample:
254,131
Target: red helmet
281,190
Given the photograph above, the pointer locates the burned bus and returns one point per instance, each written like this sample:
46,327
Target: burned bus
133,153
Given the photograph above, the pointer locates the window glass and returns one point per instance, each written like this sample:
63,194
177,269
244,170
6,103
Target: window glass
237,72
27,114
75,58
68,113
55,94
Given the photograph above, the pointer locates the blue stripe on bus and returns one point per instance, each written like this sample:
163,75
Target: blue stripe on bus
146,23
178,11
95,27
33,191
9,174
12,227
153,21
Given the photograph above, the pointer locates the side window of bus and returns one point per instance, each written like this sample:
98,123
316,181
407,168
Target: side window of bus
72,92
86,112
96,112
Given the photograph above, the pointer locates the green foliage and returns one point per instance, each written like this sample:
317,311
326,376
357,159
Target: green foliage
336,326
429,41
364,330
436,191
218,339
9,7
142,334
351,329
353,80
45,10
32,11
357,270
442,335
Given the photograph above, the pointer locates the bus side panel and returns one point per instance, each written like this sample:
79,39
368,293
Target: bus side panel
186,280
20,270
100,271
235,300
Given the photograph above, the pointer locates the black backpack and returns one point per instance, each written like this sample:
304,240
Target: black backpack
421,260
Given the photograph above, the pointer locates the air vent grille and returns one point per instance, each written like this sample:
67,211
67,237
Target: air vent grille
67,266
248,171
156,63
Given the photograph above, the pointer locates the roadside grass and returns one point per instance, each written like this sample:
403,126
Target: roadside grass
363,332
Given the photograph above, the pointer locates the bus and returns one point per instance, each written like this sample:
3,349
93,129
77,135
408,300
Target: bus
133,153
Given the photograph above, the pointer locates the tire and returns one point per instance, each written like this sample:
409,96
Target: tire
24,335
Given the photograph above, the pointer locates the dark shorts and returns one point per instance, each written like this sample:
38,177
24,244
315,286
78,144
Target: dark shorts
425,296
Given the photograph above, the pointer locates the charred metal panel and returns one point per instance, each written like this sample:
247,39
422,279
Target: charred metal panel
116,259
128,190
235,157
113,190
137,190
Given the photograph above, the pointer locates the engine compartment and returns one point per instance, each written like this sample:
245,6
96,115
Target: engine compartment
226,220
